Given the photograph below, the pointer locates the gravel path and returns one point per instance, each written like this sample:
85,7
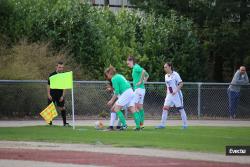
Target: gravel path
20,163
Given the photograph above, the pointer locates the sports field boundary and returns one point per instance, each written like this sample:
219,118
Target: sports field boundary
223,123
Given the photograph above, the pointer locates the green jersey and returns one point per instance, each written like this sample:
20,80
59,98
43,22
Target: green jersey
120,84
136,75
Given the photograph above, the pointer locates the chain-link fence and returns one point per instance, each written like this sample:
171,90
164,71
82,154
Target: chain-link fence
26,99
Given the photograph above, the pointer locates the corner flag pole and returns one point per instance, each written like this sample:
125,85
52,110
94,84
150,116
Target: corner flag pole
73,106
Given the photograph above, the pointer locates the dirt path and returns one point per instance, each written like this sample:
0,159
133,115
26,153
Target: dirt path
14,149
100,159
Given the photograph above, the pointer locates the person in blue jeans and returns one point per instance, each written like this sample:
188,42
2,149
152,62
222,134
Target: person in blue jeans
240,78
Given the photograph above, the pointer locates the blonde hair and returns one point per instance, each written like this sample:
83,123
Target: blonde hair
110,70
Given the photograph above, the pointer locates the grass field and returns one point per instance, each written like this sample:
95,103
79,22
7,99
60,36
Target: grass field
202,139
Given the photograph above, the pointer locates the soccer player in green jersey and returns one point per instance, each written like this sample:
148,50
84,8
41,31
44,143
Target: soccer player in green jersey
140,76
109,88
122,89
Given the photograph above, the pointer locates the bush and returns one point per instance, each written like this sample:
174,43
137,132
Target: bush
34,61
97,37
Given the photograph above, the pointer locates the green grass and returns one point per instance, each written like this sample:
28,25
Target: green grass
202,139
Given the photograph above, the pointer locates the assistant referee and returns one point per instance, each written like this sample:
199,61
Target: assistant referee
57,95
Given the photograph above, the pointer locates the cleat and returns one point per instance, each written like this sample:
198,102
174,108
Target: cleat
67,125
160,127
124,127
137,129
184,127
110,128
118,127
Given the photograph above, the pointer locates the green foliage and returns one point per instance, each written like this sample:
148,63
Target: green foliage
97,37
222,27
6,10
31,61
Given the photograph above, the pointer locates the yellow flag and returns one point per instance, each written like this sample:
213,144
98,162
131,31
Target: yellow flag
49,113
62,81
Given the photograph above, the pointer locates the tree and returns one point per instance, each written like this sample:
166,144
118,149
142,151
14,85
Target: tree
222,26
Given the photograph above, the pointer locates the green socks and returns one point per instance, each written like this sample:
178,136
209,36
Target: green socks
137,119
121,117
141,111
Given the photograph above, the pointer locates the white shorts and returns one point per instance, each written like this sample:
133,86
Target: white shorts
124,107
139,95
176,100
126,98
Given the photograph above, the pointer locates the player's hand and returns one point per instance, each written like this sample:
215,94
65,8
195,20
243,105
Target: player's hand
49,97
138,83
113,108
174,92
109,88
110,103
61,98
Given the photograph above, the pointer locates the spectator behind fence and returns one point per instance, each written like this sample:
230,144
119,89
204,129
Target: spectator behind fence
240,78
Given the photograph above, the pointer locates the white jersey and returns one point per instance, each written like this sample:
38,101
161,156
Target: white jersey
172,81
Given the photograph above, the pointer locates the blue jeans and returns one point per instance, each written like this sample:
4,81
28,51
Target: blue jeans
233,99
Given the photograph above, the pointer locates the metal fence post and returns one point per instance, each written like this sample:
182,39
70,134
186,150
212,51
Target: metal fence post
199,100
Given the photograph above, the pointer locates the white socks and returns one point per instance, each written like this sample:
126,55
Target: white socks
183,117
164,117
112,118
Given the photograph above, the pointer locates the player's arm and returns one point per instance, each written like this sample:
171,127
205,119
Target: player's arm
109,88
146,76
178,88
116,92
142,77
112,100
180,84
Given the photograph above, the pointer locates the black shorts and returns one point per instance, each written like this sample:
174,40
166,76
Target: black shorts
56,101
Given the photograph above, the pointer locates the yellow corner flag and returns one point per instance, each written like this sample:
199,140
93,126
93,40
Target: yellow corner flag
62,81
49,113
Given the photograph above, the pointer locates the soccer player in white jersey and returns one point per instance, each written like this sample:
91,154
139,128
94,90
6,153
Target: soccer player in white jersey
174,96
